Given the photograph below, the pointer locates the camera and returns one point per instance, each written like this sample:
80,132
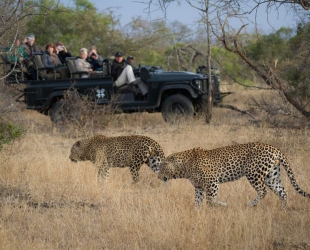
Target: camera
93,54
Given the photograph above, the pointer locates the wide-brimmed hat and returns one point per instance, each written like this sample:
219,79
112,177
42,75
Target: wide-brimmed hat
130,57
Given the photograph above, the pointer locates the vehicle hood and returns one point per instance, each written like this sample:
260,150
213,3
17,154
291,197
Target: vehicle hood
175,76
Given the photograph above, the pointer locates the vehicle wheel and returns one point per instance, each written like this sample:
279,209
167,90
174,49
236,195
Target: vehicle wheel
57,112
176,108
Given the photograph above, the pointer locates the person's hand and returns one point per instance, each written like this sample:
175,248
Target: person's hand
90,71
64,49
93,54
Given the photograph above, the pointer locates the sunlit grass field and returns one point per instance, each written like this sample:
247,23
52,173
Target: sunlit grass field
48,202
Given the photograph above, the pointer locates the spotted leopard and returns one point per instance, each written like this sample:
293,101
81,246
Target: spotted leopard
206,169
120,151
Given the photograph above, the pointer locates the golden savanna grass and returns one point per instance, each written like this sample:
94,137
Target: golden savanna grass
48,202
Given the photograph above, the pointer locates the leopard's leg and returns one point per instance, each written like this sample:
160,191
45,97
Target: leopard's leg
134,170
103,171
259,185
211,192
199,195
273,181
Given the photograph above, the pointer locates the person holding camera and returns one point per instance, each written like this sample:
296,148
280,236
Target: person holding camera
94,59
30,49
51,60
62,52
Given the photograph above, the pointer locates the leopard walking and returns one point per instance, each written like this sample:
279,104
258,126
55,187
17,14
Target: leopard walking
206,169
119,151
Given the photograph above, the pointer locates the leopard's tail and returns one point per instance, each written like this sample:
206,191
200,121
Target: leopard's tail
291,176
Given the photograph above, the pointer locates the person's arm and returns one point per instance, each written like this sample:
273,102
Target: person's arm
78,65
36,49
82,65
45,60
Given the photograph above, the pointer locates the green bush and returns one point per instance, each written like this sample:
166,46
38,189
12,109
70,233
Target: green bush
10,132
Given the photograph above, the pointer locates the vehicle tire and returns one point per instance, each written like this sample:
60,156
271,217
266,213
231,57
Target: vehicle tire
177,108
57,112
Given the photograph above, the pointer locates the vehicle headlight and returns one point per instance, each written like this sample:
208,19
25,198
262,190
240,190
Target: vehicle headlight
198,83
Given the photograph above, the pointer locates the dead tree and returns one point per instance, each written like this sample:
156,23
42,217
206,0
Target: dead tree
268,73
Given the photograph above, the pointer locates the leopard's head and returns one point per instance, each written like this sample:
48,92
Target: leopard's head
167,171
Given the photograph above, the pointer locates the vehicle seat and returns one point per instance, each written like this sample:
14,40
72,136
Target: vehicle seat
106,67
144,74
74,73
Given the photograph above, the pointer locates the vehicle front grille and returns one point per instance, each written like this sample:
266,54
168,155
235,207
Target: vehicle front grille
204,86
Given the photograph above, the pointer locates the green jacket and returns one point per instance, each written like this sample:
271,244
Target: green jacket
15,53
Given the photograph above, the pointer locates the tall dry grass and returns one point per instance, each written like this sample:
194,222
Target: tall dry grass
48,202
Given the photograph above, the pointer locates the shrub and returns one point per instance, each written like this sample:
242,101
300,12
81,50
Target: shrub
10,132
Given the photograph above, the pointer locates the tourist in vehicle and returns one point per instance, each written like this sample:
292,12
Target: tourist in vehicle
16,54
82,65
130,61
30,49
50,59
62,52
94,59
122,73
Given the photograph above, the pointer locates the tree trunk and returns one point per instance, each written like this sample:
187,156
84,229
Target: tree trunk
209,96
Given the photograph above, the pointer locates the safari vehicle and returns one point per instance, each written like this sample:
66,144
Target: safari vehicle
174,94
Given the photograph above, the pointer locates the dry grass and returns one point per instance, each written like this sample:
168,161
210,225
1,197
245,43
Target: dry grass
48,202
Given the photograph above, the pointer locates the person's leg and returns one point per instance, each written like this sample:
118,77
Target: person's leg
130,75
126,76
141,85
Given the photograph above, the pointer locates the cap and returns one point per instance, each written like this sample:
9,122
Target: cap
129,57
118,54
31,37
